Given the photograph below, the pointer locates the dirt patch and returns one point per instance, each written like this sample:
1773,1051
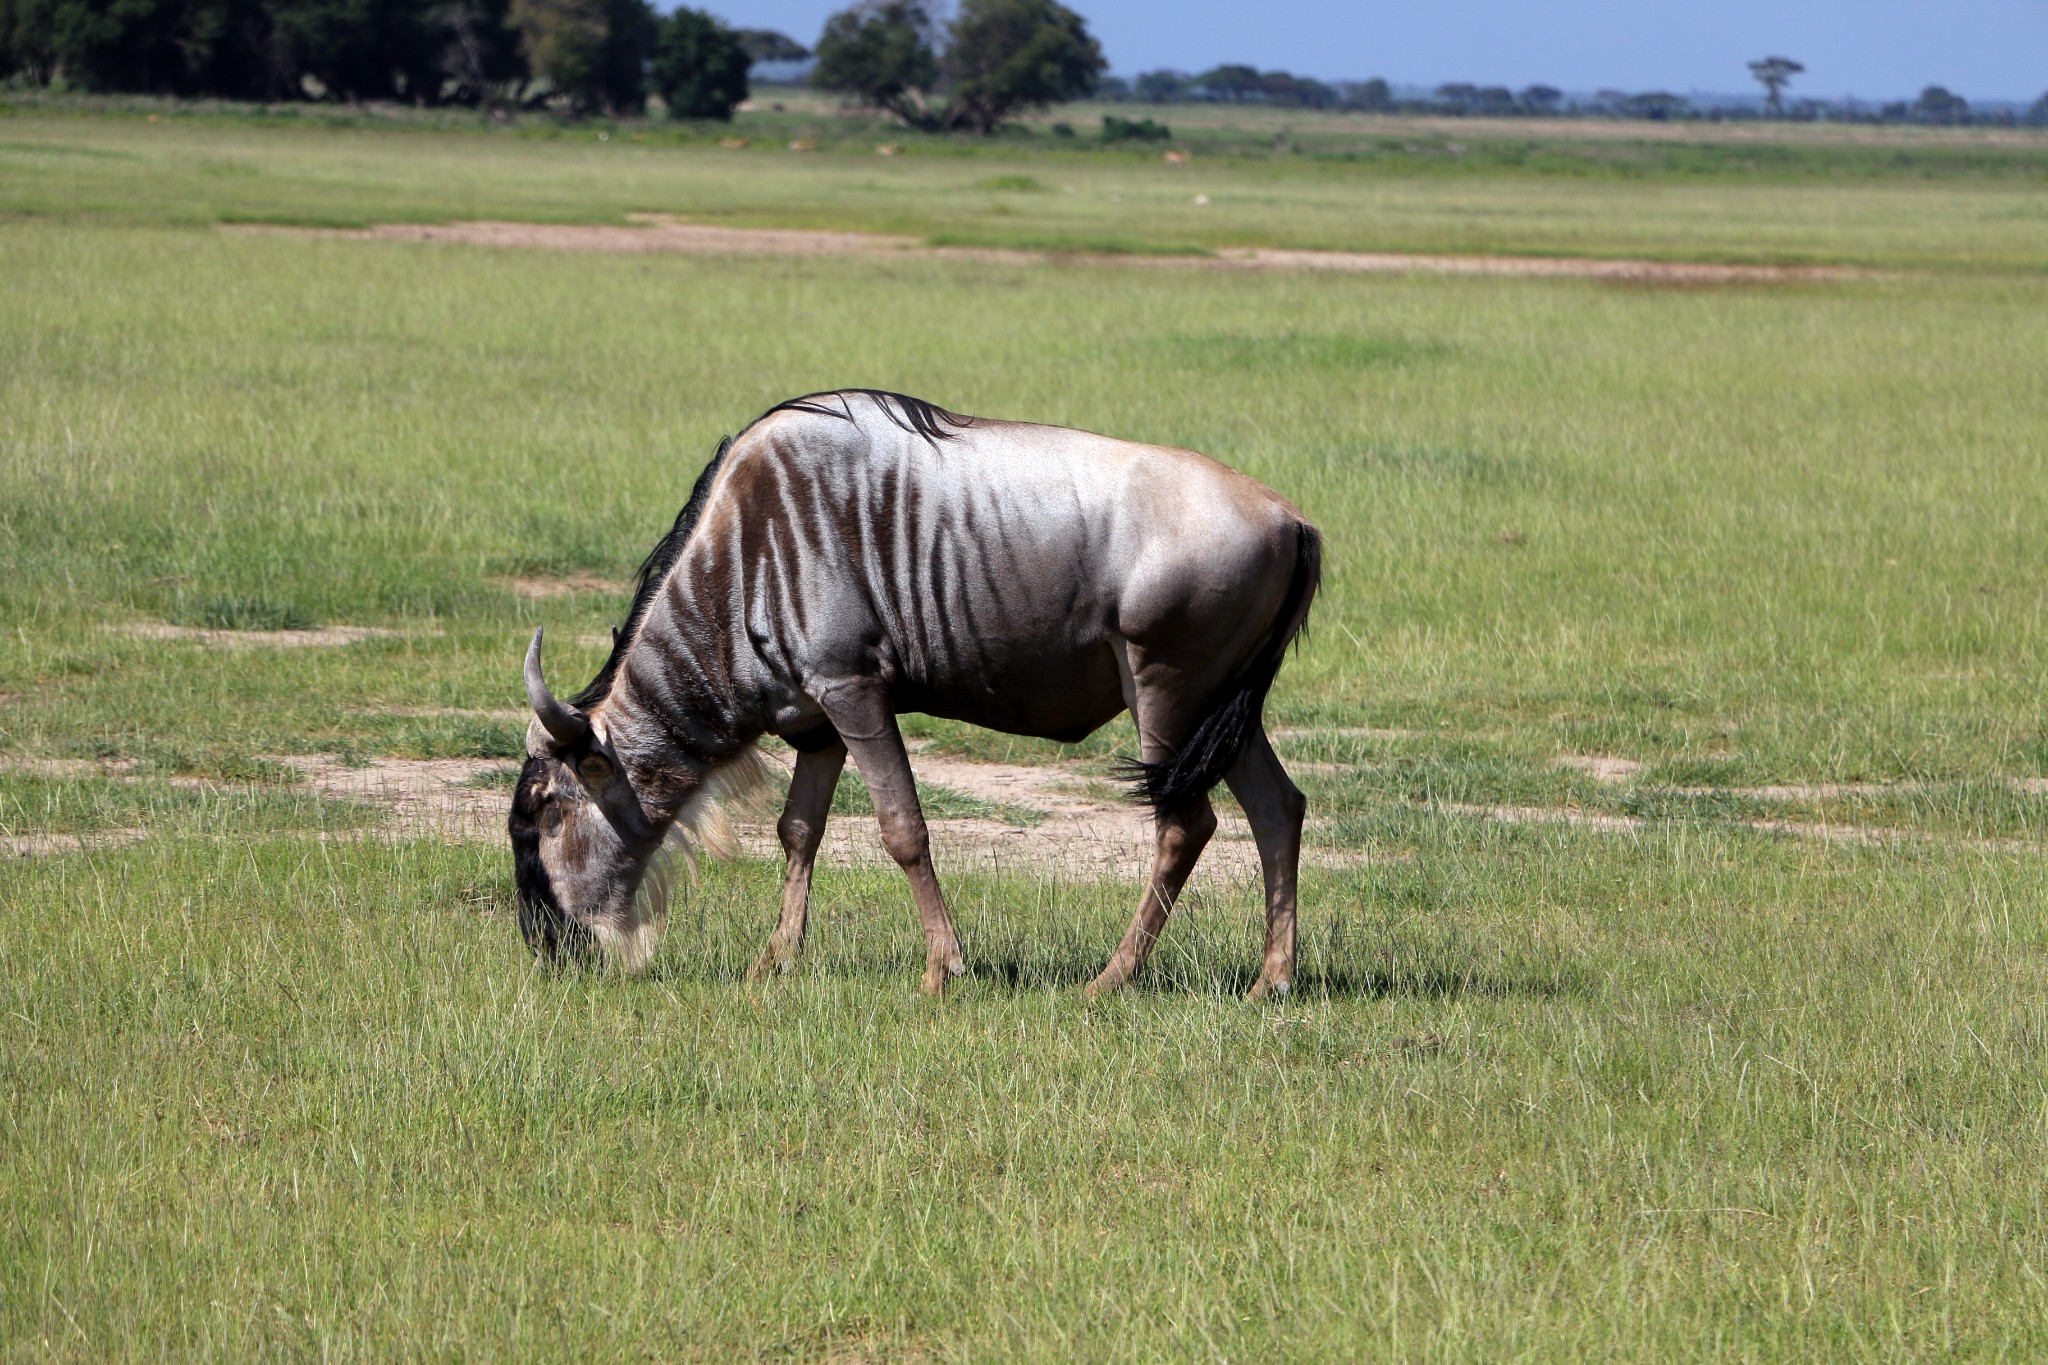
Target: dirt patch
509,714
1808,791
67,767
650,232
51,845
658,233
1081,836
423,796
113,769
322,637
1605,768
538,589
1525,267
1865,836
1600,767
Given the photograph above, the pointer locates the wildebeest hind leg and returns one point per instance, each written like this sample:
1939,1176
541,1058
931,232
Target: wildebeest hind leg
1274,808
802,827
867,725
1182,835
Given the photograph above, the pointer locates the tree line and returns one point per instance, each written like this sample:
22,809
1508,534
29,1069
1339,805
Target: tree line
1936,105
580,56
992,60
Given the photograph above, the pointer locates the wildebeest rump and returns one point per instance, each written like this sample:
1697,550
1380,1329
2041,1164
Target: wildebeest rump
855,555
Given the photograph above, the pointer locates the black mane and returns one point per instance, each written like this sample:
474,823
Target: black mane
913,415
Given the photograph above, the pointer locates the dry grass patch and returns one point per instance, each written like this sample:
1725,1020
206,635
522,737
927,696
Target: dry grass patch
51,845
660,233
213,638
569,585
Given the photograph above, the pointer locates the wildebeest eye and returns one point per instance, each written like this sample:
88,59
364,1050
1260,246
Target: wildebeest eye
595,769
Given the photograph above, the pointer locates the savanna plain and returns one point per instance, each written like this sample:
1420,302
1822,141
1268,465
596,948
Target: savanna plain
1674,972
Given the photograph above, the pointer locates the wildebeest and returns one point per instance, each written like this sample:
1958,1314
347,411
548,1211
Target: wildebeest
852,556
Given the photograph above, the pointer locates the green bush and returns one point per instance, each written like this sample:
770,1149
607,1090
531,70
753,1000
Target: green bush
700,66
1118,129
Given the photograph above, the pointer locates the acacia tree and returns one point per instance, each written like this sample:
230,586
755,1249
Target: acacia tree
1009,56
1655,104
771,45
1001,58
1937,104
881,53
1774,74
1231,83
700,66
592,53
1457,97
1162,86
480,51
1374,96
1497,101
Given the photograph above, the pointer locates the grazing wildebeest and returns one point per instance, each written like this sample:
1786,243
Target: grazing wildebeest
851,556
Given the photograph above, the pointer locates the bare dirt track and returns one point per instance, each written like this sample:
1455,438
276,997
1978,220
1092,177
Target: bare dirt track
1078,836
582,581
1079,830
319,637
658,233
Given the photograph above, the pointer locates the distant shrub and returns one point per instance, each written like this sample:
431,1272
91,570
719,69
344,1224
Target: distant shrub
1021,183
1116,128
700,66
1067,129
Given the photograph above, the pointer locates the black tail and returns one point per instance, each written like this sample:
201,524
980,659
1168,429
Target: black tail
1232,719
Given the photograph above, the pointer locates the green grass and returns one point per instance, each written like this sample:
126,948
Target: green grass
280,1084
1933,203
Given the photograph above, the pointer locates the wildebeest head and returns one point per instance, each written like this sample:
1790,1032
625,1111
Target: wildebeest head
582,841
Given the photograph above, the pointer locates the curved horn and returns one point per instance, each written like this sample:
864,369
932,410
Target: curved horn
564,722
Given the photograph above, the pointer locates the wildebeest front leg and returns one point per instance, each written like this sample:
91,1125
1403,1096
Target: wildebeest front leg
867,724
802,827
1274,807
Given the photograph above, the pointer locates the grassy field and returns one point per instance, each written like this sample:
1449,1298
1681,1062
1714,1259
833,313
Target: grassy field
1685,1086
1950,203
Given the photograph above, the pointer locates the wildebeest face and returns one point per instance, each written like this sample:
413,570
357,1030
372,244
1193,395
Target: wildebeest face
581,845
581,840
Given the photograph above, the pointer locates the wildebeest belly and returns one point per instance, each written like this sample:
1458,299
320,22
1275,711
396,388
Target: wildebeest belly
1061,695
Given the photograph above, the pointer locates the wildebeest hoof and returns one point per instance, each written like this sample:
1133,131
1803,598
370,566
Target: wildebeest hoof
1113,979
1276,990
937,974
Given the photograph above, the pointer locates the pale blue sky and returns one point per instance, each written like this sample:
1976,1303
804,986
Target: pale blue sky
1874,49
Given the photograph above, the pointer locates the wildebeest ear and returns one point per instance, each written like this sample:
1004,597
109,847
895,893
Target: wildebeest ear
595,769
